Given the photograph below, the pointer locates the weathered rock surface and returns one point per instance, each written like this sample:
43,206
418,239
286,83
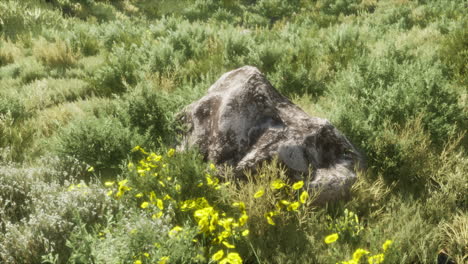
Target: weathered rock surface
243,121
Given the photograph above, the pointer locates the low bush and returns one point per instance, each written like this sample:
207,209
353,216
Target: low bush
55,55
15,138
50,214
149,113
100,142
20,17
121,70
31,70
383,98
9,52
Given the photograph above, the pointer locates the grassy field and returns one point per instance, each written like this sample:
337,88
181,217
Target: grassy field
89,90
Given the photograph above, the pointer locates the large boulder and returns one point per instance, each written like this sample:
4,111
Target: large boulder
243,121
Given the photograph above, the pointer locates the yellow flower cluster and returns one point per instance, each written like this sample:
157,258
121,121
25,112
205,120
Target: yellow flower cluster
151,166
217,229
359,253
282,204
122,188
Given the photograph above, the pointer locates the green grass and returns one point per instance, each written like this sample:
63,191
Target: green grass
83,82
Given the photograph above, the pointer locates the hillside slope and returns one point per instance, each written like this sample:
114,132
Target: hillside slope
82,82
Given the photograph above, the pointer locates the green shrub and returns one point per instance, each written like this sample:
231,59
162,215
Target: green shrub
455,237
14,107
46,93
31,70
58,54
19,17
121,33
345,7
236,47
9,52
150,114
15,138
455,53
85,39
385,92
276,9
121,69
55,212
100,142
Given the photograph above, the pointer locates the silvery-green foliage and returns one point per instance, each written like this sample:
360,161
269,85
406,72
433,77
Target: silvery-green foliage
37,215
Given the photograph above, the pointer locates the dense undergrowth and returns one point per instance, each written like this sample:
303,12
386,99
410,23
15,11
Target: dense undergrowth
82,82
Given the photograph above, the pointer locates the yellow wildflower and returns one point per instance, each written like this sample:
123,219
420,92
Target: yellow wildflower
226,244
91,169
139,195
298,185
386,245
154,157
144,205
293,206
163,260
359,253
209,181
376,259
122,188
218,255
241,205
167,197
352,261
259,193
245,232
170,152
136,148
223,235
175,230
159,204
157,215
277,184
226,223
213,222
232,258
331,238
243,219
146,254
152,196
270,220
109,183
212,166
137,262
304,196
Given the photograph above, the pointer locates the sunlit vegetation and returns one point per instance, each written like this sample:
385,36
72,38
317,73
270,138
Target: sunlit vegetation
90,89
